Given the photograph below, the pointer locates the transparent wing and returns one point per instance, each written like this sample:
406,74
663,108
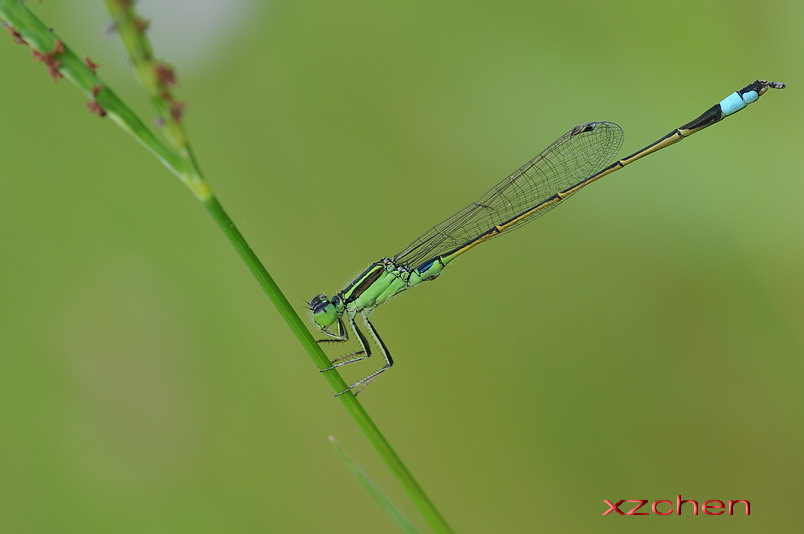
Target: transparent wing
572,158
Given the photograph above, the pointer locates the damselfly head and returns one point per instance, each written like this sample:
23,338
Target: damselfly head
324,311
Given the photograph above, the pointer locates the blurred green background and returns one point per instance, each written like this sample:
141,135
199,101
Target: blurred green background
644,340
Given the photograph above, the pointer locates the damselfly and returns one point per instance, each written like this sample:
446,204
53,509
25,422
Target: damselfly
573,161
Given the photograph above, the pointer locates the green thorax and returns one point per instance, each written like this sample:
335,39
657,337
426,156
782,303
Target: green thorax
384,279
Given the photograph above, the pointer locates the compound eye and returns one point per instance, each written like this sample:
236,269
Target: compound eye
316,301
324,314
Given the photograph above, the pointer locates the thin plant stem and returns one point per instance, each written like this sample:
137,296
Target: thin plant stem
349,401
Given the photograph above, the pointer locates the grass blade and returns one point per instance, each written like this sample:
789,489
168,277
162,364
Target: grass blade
396,515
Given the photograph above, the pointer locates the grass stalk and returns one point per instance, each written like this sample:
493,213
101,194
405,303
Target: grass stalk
26,29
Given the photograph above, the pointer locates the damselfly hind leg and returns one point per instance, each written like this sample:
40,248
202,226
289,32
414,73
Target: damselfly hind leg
389,362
